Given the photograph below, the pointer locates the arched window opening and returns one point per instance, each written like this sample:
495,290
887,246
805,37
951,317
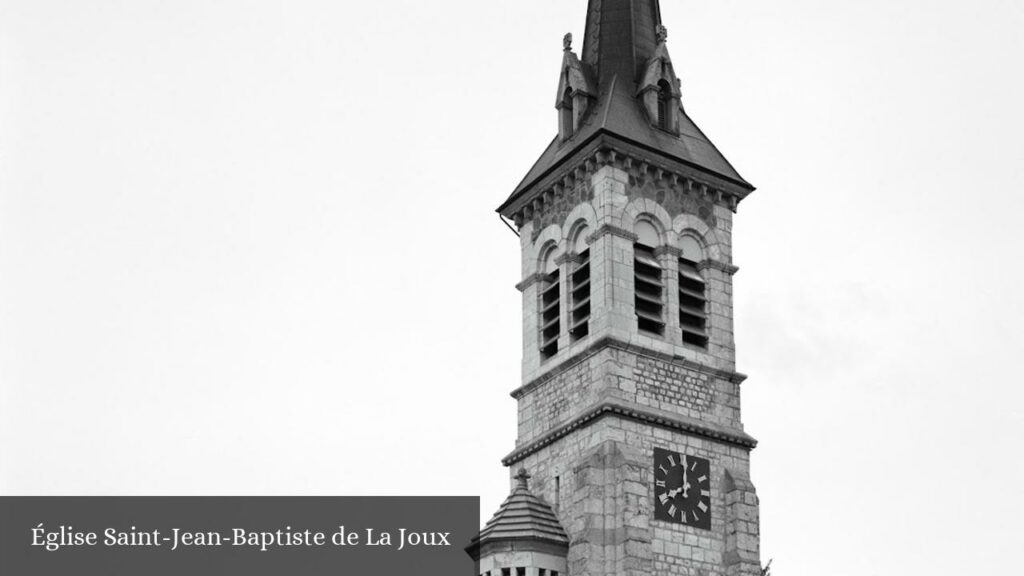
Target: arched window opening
550,307
579,288
648,286
692,294
647,234
664,103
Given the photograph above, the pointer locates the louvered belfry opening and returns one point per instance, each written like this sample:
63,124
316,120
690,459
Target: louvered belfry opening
550,314
648,288
692,304
580,297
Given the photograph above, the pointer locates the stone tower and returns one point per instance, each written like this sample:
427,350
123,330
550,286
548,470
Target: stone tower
629,408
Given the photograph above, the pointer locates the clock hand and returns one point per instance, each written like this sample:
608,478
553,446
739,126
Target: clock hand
672,493
685,486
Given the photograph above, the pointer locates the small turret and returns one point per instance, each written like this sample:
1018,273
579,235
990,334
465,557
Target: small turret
524,538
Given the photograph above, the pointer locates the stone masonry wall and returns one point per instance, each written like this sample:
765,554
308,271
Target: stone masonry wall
634,377
600,482
599,477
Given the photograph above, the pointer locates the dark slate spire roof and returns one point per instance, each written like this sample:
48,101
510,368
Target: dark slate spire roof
621,36
522,517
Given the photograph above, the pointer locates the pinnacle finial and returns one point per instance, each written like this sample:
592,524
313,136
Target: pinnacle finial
662,33
523,478
567,42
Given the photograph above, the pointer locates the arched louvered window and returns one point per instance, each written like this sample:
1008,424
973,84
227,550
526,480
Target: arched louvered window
579,288
648,287
550,307
693,303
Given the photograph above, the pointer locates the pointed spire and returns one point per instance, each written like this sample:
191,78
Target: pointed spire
621,36
624,91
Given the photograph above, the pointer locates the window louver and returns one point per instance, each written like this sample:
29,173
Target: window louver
648,288
692,304
550,314
579,320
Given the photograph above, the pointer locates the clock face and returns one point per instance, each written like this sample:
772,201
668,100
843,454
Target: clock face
682,489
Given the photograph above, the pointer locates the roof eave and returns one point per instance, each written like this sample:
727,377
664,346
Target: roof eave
482,546
742,188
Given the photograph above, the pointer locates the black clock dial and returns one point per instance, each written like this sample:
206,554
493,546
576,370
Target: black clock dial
682,489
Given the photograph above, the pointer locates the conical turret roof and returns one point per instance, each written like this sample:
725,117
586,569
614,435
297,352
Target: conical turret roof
522,518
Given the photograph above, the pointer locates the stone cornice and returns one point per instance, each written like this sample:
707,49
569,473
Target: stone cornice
670,250
614,231
612,342
630,158
570,257
716,265
641,414
529,281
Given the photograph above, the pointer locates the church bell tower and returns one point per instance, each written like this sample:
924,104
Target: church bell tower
629,423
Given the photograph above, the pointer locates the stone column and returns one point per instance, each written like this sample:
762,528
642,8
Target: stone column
668,257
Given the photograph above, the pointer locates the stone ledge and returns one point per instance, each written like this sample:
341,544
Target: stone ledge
614,231
645,415
568,257
716,265
672,251
529,281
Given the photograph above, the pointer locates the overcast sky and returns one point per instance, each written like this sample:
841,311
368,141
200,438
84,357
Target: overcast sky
250,248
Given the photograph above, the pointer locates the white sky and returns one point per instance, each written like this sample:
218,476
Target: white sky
250,248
